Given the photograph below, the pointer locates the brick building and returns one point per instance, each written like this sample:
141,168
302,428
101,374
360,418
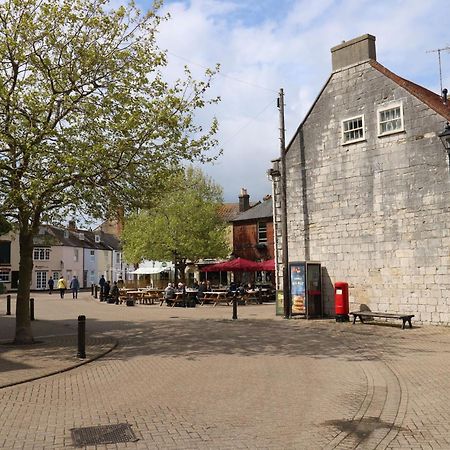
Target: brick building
253,229
368,188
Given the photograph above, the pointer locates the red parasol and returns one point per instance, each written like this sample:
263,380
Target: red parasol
268,265
233,265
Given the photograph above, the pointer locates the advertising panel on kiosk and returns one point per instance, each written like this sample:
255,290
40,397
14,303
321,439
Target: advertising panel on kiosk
297,275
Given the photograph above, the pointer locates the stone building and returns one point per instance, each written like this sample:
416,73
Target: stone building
368,189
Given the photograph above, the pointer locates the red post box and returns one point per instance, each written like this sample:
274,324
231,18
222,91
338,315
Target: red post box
341,301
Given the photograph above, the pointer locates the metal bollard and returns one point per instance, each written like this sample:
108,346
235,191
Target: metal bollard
81,337
234,308
31,308
95,291
92,289
8,305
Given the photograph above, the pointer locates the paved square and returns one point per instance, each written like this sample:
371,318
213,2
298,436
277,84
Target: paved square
191,378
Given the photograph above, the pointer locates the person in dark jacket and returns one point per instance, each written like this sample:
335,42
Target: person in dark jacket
106,289
75,286
51,284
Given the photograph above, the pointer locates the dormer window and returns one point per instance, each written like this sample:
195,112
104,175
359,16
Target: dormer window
81,236
66,234
353,130
390,119
97,238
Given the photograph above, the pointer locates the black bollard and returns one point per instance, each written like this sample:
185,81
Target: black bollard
8,305
81,337
95,291
234,307
92,289
31,308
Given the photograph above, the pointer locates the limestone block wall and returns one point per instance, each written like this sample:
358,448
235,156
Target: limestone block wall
375,213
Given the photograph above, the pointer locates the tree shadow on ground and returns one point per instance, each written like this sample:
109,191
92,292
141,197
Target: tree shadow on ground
362,429
179,336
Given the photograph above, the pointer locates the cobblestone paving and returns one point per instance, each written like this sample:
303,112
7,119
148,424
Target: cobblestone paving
194,379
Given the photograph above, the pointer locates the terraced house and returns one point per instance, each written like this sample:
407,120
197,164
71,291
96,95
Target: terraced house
368,188
65,251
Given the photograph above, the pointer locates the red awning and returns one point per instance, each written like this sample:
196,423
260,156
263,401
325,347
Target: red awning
268,265
233,265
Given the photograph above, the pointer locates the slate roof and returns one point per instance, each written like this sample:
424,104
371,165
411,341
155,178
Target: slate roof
261,210
53,235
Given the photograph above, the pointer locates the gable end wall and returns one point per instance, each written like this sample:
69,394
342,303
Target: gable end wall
375,213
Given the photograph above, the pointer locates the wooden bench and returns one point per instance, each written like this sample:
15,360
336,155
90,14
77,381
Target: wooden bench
362,314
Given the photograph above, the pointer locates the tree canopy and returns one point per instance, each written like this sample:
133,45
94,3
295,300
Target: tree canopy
87,121
184,225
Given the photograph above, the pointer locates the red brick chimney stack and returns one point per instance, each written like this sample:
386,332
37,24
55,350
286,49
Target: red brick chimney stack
244,200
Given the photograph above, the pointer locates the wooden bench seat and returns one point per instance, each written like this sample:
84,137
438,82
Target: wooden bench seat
363,314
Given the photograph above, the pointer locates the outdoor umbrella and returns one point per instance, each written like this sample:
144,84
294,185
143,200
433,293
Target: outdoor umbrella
233,265
268,265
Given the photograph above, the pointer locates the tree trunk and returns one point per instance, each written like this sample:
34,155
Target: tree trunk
24,333
182,270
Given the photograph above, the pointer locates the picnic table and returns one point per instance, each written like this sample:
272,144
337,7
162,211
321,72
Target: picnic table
150,295
215,297
185,298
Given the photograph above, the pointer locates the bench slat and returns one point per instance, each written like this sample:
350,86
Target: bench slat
404,317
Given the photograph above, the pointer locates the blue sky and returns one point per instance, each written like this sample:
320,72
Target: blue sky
266,45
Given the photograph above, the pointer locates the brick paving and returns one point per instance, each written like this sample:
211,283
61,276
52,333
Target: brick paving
191,378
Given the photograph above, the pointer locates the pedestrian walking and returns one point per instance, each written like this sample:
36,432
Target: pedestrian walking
101,284
75,286
106,289
115,293
62,286
51,284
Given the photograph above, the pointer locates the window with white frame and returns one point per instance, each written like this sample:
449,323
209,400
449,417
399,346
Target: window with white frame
41,254
390,119
117,258
262,232
353,130
5,276
76,254
92,254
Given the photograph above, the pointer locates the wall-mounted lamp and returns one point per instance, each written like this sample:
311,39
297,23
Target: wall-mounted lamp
445,138
273,174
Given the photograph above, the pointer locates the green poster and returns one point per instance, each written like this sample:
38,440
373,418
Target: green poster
279,304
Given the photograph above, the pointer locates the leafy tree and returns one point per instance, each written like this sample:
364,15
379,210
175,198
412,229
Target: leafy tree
87,121
5,226
184,225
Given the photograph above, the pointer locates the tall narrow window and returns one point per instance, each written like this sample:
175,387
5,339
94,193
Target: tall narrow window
262,232
353,130
390,119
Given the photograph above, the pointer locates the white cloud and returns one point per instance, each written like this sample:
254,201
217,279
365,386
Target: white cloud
270,44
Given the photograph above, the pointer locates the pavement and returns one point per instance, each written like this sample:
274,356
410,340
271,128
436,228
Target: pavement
192,378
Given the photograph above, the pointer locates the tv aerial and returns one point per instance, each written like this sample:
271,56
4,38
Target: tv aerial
438,51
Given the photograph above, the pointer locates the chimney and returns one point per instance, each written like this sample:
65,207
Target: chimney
353,52
72,224
244,200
